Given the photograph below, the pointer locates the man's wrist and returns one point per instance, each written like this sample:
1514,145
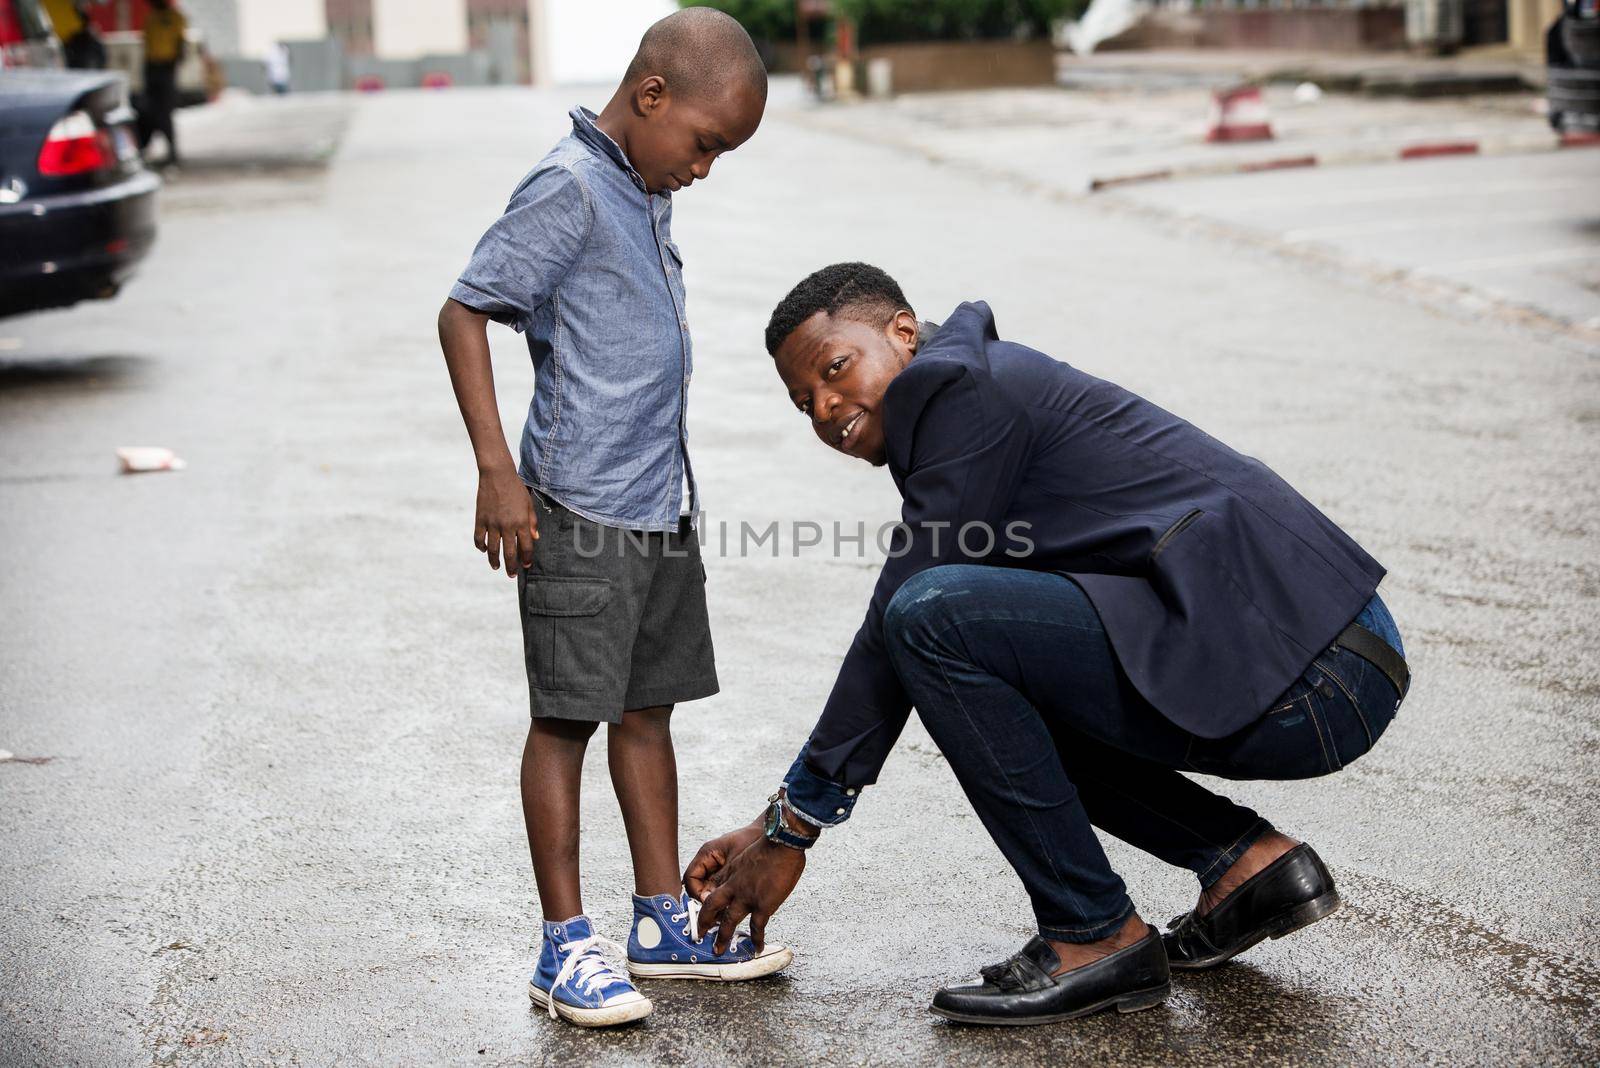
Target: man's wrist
793,821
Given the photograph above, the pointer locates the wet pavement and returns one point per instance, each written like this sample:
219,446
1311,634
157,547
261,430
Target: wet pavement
272,704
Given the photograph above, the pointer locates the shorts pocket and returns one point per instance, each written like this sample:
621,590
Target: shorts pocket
564,633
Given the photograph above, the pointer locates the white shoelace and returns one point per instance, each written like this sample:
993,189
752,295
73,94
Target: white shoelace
585,966
691,913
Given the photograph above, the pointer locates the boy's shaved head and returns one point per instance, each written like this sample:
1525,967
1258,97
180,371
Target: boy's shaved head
700,51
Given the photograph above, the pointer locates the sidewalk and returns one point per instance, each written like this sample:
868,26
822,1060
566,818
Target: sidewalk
1079,142
241,132
1380,73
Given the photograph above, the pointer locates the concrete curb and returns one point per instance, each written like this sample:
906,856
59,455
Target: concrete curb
1423,150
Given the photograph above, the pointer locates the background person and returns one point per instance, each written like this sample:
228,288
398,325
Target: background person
164,48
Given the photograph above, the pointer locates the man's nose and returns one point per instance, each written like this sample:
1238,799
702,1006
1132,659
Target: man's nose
823,407
700,170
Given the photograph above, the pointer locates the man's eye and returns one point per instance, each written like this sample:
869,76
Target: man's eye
833,367
803,409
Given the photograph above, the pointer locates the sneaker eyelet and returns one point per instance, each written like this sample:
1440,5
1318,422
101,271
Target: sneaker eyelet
693,959
674,956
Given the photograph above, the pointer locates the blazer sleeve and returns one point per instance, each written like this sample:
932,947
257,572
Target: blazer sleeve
963,446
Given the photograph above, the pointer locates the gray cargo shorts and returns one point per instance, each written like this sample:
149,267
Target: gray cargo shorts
613,619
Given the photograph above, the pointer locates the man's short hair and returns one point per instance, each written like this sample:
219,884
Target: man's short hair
700,51
857,291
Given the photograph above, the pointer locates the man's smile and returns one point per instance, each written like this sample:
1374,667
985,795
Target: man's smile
842,438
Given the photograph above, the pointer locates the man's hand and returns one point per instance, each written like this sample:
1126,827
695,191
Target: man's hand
700,877
753,883
505,526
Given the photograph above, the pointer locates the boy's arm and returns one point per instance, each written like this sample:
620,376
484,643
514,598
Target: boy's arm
504,525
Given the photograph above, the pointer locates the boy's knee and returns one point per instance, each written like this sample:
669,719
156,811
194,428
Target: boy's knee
645,721
556,731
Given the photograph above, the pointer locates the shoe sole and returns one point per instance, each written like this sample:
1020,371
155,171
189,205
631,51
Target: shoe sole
1285,923
606,1016
774,959
1134,1002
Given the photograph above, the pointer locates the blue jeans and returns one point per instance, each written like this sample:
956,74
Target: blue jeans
1015,679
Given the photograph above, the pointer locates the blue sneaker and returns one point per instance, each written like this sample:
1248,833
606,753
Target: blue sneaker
576,982
667,943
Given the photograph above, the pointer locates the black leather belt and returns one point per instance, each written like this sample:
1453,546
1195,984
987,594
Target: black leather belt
1377,652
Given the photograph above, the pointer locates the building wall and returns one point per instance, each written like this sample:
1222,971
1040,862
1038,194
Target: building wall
408,28
218,20
596,40
502,29
350,21
262,23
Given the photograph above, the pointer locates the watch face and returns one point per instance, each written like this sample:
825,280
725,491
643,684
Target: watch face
774,819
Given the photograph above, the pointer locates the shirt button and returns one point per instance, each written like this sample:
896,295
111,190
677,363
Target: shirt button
838,812
850,792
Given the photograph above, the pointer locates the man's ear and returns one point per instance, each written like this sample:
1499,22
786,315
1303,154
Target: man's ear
649,94
903,330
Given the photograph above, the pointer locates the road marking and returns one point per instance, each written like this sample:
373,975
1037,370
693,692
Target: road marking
1390,226
1526,259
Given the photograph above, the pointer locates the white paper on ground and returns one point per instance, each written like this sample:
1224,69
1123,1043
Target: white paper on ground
136,458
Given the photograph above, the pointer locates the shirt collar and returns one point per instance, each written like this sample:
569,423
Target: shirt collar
583,126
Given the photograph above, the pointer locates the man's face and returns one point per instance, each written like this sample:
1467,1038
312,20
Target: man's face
837,370
679,137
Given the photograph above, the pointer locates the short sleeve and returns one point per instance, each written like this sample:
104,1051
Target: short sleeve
520,261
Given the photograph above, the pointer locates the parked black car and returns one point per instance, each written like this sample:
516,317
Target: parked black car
1572,49
77,206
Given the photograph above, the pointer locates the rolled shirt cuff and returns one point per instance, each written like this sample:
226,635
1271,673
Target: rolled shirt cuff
820,802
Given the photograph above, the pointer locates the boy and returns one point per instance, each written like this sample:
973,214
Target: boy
613,598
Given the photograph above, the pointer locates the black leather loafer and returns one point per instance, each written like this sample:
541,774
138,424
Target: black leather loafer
1022,991
1292,892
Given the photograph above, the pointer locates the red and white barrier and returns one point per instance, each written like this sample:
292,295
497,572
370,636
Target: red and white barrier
1239,115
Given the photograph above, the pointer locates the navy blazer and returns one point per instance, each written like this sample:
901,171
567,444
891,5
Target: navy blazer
1217,582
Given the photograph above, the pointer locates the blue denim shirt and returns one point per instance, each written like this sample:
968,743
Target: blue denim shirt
583,263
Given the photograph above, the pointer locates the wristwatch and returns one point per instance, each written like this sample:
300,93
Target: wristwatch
777,831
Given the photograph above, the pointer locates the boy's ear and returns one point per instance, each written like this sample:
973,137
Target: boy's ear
649,94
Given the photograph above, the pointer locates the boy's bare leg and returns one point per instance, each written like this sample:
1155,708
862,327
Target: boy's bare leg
552,768
644,772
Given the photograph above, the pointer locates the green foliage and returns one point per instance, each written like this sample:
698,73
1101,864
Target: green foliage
764,20
881,21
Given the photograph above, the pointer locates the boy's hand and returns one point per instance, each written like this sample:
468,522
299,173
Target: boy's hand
505,527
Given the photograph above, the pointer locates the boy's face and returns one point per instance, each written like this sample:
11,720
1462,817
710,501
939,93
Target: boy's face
837,370
678,138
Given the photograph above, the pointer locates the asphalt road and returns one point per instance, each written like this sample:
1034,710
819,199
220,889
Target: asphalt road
270,707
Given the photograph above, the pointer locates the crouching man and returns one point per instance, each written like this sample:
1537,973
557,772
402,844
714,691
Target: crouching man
1181,608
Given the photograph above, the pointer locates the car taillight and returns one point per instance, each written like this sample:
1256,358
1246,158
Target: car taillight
76,145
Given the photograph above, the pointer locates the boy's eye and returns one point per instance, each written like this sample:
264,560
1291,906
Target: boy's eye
833,367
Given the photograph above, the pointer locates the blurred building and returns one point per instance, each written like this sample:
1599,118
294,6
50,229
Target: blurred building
1344,25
